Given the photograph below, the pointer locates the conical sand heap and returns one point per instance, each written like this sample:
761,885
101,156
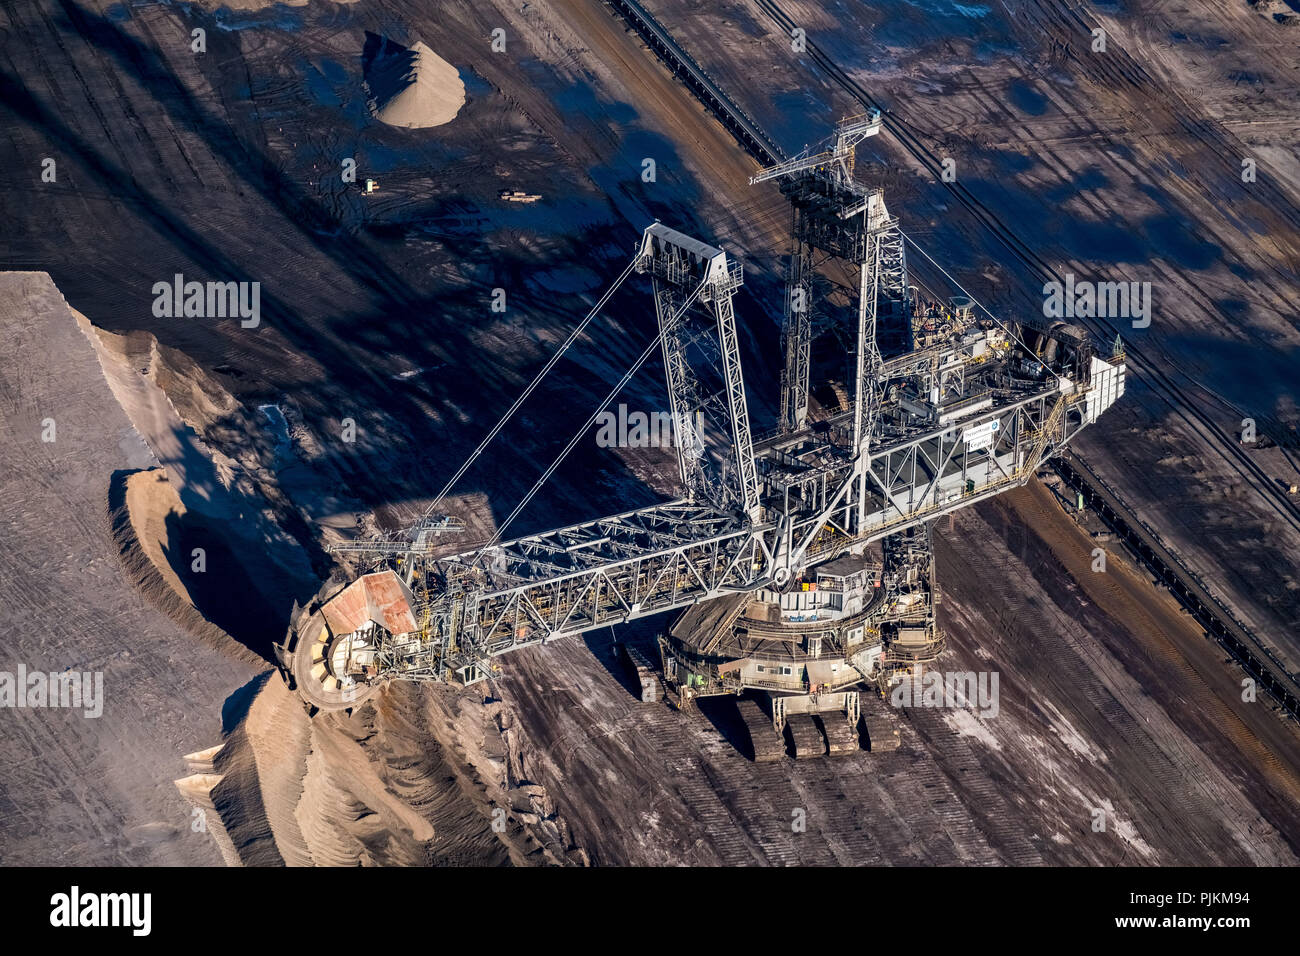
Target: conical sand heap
413,87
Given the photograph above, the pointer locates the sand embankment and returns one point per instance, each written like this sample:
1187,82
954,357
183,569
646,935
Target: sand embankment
211,534
148,520
416,778
64,604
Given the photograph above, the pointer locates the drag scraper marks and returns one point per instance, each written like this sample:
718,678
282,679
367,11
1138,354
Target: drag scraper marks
570,280
1174,238
1123,829
1273,383
1087,228
1090,180
229,15
278,17
800,118
275,10
560,212
948,9
913,26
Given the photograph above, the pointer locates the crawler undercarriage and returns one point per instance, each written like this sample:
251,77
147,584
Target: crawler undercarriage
810,663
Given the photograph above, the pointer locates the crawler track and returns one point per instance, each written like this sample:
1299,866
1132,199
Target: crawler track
765,745
806,740
881,725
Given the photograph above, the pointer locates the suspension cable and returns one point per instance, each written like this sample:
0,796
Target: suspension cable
999,322
573,337
577,437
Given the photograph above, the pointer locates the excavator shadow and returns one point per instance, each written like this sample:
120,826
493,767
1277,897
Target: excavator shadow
610,648
726,719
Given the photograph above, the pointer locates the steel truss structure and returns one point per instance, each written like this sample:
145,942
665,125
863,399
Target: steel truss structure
928,432
839,217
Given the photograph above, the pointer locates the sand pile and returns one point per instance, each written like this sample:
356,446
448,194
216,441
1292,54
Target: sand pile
411,87
415,778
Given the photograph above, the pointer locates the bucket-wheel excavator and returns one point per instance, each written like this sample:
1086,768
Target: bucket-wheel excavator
798,561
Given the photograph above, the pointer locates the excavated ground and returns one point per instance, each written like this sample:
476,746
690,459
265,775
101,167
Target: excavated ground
79,789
